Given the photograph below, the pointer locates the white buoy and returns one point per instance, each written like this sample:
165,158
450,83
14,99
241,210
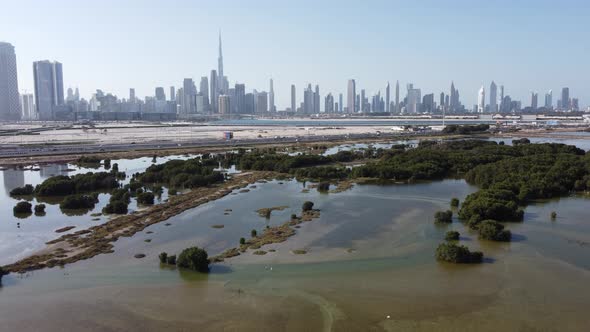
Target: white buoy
388,317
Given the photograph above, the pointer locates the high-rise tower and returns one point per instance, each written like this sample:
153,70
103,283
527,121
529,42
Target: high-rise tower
9,99
493,97
481,100
387,97
271,97
220,77
351,100
49,88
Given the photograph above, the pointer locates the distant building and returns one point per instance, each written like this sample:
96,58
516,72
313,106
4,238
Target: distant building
387,97
493,98
49,88
316,99
397,108
172,93
224,104
329,104
549,99
204,91
160,94
565,99
240,98
213,92
481,100
271,98
132,95
188,102
413,99
262,102
308,100
351,96
293,98
9,100
534,100
340,103
28,106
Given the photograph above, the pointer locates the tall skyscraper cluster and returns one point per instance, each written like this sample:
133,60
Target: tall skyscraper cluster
213,95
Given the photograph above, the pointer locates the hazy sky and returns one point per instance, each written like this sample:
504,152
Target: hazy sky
114,45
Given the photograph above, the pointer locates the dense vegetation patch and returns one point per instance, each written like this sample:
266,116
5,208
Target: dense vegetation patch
27,190
180,174
62,185
145,198
465,129
493,231
77,202
452,236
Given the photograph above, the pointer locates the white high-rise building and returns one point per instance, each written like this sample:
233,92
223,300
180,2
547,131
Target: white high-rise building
351,100
481,100
493,97
9,99
414,99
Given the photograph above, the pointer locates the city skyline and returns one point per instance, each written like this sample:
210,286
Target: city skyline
253,57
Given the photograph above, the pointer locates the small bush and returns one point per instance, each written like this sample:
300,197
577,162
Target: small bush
172,192
253,233
171,260
242,241
452,236
307,206
454,202
293,216
452,253
146,198
22,207
445,217
163,256
40,208
553,215
115,207
493,231
193,258
324,186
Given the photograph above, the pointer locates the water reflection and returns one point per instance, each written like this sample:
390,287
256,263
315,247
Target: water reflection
13,178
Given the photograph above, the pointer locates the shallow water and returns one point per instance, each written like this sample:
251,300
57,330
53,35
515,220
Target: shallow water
369,266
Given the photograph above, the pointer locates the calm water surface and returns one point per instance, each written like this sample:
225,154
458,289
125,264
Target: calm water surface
369,266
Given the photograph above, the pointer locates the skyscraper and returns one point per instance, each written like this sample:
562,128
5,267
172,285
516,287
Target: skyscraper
340,104
160,94
502,98
214,92
204,91
9,99
28,106
131,95
329,104
351,100
397,96
224,104
240,98
414,99
49,88
262,102
387,96
493,97
271,97
220,77
308,100
188,104
549,99
481,100
316,99
565,99
534,100
293,98
172,93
